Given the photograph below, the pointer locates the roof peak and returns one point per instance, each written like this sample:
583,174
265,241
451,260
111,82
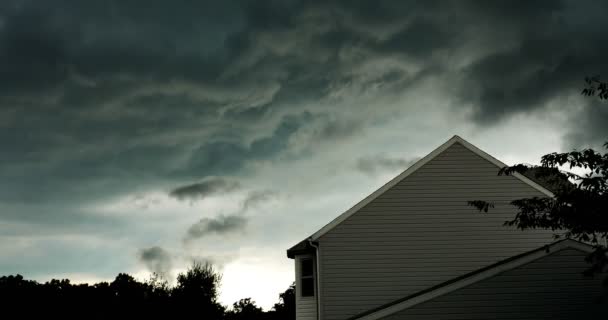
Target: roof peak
413,168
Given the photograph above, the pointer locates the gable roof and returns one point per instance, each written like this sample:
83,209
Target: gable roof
470,278
455,139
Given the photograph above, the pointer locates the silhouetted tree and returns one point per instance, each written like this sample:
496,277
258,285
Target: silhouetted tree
194,296
197,291
285,309
245,309
579,208
159,286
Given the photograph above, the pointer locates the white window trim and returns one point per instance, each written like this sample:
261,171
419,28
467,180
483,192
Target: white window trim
298,261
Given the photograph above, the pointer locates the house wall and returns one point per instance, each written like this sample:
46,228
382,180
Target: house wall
552,287
306,307
421,232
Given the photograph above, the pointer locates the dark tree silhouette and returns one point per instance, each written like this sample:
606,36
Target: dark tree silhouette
197,292
579,207
245,309
194,296
285,309
595,86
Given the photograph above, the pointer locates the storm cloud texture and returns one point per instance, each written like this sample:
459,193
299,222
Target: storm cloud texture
107,91
214,102
200,190
372,165
156,259
220,225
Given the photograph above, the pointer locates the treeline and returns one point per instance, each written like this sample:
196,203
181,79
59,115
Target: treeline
195,296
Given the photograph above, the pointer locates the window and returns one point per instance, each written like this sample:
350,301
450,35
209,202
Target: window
307,279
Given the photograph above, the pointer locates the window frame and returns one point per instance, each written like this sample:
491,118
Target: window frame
309,277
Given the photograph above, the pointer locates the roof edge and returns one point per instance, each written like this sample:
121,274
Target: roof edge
501,164
455,139
302,247
471,278
385,187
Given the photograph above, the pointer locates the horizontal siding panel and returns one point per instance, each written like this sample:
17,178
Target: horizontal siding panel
455,198
437,232
390,255
387,257
387,210
422,232
377,243
445,229
468,177
390,287
468,243
391,210
554,294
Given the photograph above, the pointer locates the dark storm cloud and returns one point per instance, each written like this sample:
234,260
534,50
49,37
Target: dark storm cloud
203,189
102,98
223,224
592,125
156,259
374,164
550,47
226,157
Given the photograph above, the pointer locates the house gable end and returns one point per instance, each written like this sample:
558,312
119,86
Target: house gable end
412,169
400,242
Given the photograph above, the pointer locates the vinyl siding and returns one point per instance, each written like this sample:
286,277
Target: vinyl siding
552,287
421,232
306,307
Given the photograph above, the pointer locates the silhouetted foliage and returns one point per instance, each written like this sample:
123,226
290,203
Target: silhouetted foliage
286,308
596,87
245,309
578,209
195,296
197,291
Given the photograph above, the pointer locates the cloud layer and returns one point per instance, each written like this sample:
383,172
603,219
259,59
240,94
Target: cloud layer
223,224
157,260
203,189
243,111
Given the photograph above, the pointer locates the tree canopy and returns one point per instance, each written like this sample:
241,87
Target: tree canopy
195,296
578,181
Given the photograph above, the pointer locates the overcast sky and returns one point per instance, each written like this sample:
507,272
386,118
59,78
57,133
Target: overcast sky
137,136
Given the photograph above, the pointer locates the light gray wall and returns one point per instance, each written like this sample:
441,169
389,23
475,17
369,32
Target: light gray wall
549,288
306,307
421,233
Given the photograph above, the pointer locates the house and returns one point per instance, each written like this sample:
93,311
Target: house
414,249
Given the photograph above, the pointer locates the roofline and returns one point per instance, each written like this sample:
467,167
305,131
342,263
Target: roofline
471,278
305,246
412,169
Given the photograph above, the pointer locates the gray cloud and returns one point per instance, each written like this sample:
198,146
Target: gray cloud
377,163
257,197
99,100
119,94
551,47
203,189
591,125
227,157
156,260
223,224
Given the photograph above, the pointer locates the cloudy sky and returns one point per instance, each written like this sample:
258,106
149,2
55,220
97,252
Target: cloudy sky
138,136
